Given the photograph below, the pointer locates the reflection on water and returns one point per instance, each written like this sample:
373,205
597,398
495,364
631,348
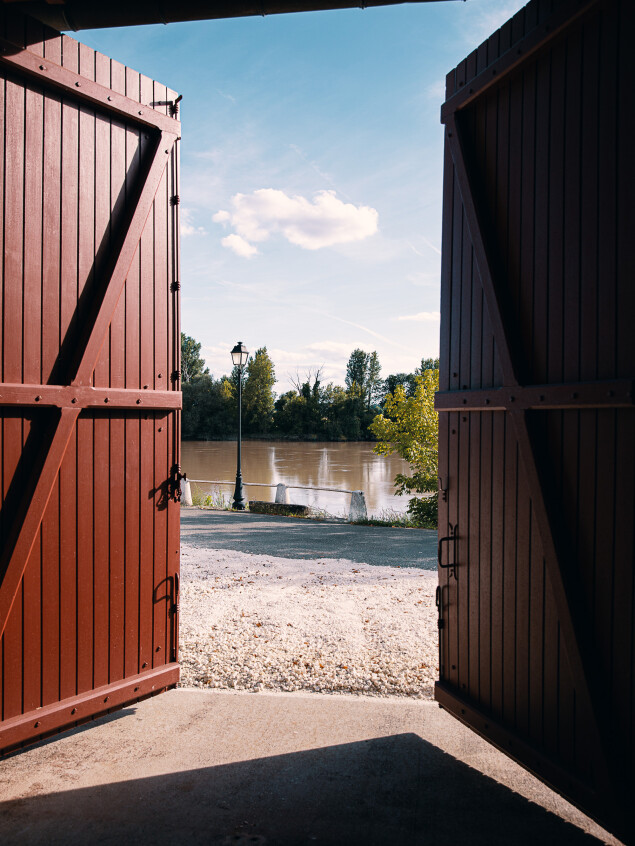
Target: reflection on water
350,466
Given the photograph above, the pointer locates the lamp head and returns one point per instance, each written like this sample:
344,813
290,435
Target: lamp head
240,354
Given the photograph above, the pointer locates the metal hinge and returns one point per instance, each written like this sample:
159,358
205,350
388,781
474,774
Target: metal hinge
175,596
175,200
174,106
439,605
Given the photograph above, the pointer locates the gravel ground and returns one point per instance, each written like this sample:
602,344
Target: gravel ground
258,622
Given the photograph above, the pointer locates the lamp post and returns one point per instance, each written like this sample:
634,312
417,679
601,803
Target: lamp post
240,354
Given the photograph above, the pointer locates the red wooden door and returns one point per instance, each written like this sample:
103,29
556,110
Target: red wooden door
89,386
537,425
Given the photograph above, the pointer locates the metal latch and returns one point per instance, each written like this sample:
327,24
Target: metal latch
174,483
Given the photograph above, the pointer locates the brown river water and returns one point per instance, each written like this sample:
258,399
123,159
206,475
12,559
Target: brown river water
349,466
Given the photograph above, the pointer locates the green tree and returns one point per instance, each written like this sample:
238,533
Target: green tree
206,412
191,362
406,380
357,371
373,381
409,426
428,364
258,398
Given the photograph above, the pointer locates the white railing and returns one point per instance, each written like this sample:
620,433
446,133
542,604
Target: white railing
357,509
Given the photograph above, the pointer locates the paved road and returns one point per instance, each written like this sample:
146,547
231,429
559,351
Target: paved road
293,538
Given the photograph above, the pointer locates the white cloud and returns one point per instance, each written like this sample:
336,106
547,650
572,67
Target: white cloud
187,227
422,316
482,19
239,246
436,91
424,280
323,222
335,349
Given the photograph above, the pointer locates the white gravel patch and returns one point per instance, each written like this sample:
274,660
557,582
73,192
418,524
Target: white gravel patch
258,622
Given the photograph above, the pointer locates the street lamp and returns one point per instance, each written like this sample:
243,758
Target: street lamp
240,354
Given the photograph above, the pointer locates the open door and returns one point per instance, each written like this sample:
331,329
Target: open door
89,387
537,425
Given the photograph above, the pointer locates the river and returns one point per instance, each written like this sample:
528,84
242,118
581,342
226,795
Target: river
350,466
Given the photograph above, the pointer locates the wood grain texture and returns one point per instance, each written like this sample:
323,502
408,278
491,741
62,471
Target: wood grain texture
88,304
535,126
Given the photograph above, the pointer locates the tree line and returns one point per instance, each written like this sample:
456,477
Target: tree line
312,410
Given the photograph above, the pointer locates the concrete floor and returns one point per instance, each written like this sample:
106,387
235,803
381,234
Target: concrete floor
199,767
289,537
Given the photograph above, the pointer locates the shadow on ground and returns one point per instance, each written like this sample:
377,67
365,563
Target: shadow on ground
397,790
296,538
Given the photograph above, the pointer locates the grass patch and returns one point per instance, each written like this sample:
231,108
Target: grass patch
215,499
396,520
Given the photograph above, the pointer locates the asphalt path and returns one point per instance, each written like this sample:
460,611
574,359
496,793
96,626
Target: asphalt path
288,537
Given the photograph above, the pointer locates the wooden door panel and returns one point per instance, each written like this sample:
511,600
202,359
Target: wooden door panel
537,425
89,386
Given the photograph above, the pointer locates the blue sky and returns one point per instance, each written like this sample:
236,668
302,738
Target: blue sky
311,172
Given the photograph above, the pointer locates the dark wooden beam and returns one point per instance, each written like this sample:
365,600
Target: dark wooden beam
81,88
77,709
602,394
63,396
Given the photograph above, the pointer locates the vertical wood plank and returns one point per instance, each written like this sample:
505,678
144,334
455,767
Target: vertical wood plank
12,361
571,230
101,425
32,321
118,198
146,423
474,562
447,236
510,563
536,636
498,510
608,180
485,559
68,305
556,212
12,642
589,187
85,427
161,436
540,344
